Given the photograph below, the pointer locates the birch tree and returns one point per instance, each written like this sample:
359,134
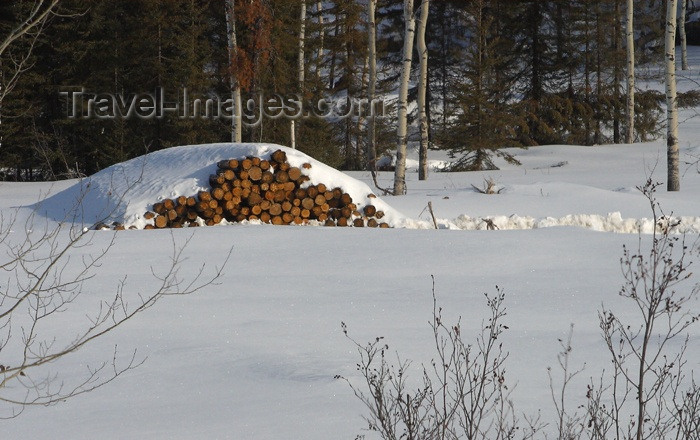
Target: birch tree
630,71
681,24
237,117
672,154
422,85
372,85
402,130
300,65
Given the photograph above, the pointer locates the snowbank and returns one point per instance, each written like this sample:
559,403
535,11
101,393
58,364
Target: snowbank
123,192
613,222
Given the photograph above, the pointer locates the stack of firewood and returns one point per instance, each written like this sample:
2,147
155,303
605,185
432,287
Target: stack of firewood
267,190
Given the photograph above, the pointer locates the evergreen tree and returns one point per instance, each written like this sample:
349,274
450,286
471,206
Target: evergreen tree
486,119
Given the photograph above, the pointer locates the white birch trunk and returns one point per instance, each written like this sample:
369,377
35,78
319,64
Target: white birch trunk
372,84
359,150
402,130
300,66
673,183
630,71
422,86
237,119
684,44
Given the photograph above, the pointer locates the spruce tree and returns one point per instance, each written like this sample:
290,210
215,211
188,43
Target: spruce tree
486,119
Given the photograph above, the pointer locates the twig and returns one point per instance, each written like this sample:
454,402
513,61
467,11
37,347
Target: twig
432,214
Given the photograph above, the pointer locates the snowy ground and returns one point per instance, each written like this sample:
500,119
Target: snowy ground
254,357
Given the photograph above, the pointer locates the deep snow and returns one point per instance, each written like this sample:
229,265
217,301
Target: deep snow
254,357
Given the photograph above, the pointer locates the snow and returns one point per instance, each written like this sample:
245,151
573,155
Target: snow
122,193
254,356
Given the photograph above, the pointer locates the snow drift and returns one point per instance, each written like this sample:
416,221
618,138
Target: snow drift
123,192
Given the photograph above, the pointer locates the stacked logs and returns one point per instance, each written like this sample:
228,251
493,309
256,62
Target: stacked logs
266,190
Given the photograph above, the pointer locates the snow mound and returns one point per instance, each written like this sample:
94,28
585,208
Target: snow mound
613,222
123,192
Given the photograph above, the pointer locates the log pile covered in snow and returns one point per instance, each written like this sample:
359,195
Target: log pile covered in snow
267,190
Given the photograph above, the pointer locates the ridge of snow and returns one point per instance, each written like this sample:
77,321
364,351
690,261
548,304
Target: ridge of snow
123,192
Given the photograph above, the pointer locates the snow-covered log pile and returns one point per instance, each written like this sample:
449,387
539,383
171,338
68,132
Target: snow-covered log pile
269,190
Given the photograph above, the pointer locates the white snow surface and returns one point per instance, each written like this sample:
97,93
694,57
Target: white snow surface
124,192
254,356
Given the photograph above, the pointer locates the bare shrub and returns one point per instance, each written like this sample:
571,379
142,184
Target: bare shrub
462,393
490,187
647,393
646,367
46,267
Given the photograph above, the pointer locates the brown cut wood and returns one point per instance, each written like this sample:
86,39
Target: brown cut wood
279,156
307,203
217,193
204,196
294,173
275,209
161,221
255,173
370,210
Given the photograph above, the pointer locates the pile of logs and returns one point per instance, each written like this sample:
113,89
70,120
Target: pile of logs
266,190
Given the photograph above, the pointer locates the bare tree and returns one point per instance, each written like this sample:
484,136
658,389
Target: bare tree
672,156
684,43
47,273
422,86
630,71
640,351
372,85
321,37
372,93
237,119
569,425
402,130
300,66
31,27
461,394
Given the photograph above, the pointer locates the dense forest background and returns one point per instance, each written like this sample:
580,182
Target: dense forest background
501,73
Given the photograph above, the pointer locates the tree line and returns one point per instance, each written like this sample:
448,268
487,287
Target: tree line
494,74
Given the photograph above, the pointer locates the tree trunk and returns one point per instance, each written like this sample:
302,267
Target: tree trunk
587,72
422,84
321,36
237,117
402,131
617,71
684,48
597,137
630,71
673,183
360,153
300,66
331,74
372,85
